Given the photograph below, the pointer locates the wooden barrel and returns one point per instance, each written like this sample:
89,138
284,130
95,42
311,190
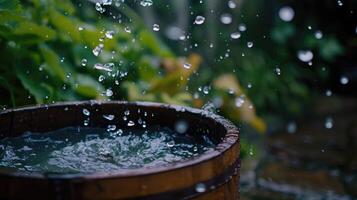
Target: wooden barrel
211,175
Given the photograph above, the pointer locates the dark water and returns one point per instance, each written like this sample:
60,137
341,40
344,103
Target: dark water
87,150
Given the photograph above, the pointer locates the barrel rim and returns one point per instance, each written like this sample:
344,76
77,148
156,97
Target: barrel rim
230,139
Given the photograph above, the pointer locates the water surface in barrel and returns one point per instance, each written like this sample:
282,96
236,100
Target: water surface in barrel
88,150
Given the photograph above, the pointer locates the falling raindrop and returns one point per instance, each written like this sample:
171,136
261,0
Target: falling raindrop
286,13
109,92
200,187
339,3
98,49
232,4
155,27
239,101
86,122
111,128
146,3
107,2
206,89
329,123
226,18
199,20
242,27
99,8
344,80
127,29
170,144
101,78
187,65
181,126
305,56
127,112
84,62
109,34
235,35
318,35
85,112
328,93
130,123
104,67
291,127
109,117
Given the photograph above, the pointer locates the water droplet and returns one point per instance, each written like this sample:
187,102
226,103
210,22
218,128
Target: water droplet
85,112
318,35
181,126
226,18
328,93
109,117
206,89
170,144
80,28
329,123
199,20
187,65
127,29
99,8
251,151
239,101
242,27
339,3
344,80
291,127
235,35
127,112
106,67
109,92
286,13
84,62
232,4
109,34
98,49
107,2
101,78
146,3
130,123
200,188
111,128
156,27
250,44
86,122
305,56
278,71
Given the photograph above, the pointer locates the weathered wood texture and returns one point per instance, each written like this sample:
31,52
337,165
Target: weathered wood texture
217,169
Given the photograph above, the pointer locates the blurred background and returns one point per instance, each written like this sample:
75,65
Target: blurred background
284,71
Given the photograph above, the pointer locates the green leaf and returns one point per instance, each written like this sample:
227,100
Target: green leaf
150,41
10,5
282,32
87,86
53,65
38,90
16,27
66,25
330,48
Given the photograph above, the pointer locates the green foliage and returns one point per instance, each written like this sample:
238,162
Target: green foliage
42,49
